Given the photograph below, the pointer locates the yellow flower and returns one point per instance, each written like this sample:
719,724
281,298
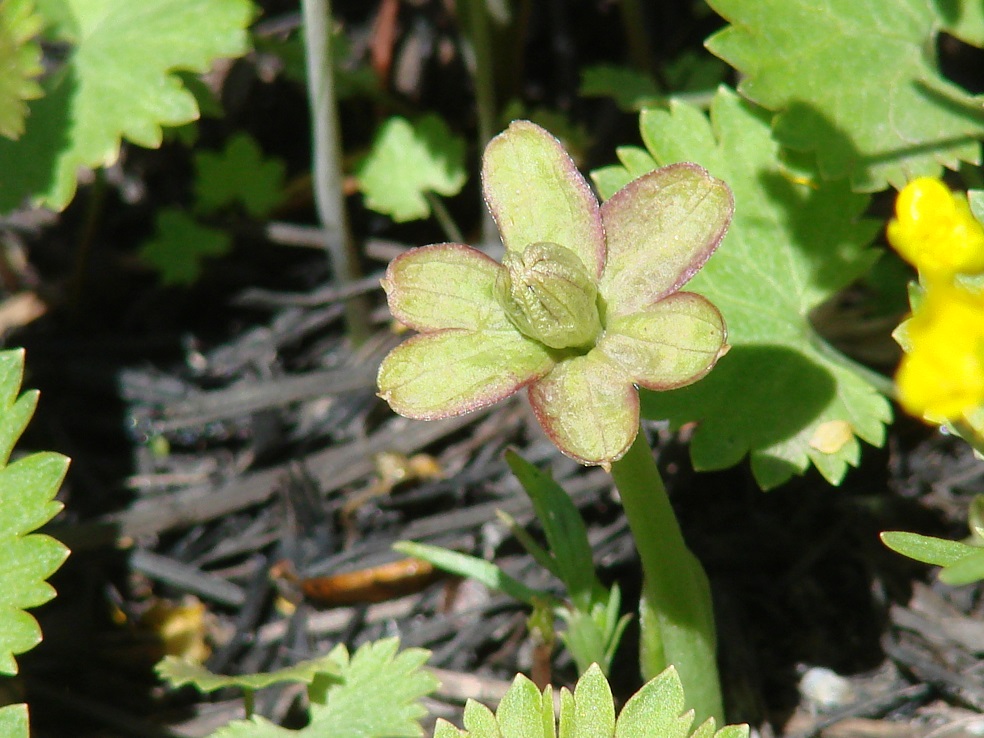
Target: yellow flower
935,231
942,375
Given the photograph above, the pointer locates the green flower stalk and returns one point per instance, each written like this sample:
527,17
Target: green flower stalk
586,307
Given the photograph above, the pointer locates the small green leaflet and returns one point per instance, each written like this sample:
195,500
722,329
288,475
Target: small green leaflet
117,83
852,82
20,62
780,395
375,694
658,710
27,501
181,245
408,160
238,174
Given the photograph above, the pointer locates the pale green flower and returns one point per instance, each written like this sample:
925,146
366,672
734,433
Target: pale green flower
586,308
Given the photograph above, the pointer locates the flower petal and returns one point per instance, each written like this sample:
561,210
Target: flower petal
661,228
536,194
671,344
437,375
447,285
588,407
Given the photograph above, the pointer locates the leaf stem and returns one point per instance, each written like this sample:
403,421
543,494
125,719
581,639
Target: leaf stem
443,217
327,169
676,615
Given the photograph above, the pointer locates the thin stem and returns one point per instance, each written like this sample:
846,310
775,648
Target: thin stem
327,170
444,219
633,23
970,434
676,615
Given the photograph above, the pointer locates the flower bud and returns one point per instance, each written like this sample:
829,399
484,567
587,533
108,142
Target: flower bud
549,296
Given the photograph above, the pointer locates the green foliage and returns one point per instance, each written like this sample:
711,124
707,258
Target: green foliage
655,711
630,88
962,562
852,82
117,83
409,160
20,63
374,694
27,501
180,246
781,395
238,174
594,622
177,672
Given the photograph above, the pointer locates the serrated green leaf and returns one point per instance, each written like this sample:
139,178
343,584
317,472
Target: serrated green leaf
177,672
117,83
791,245
379,696
239,174
181,245
655,711
27,491
852,81
408,160
20,63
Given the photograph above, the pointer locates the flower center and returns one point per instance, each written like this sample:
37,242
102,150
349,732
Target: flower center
549,296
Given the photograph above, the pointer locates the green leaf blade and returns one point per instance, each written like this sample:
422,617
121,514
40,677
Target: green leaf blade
20,62
852,82
118,84
409,160
789,248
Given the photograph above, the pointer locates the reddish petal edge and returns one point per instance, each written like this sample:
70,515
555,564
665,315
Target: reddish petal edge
539,402
389,280
577,180
701,256
486,401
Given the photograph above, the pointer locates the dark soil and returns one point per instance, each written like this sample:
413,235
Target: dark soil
226,434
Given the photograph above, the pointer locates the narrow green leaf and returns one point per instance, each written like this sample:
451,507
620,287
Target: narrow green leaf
929,550
177,672
13,721
967,570
564,529
480,570
594,707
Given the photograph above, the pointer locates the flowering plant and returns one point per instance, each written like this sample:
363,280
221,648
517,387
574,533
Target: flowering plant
585,306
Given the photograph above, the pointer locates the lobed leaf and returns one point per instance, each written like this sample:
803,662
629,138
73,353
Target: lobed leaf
27,501
655,711
852,83
239,174
790,247
118,83
181,245
409,160
20,60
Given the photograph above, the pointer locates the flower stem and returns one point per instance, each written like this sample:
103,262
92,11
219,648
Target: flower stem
676,616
